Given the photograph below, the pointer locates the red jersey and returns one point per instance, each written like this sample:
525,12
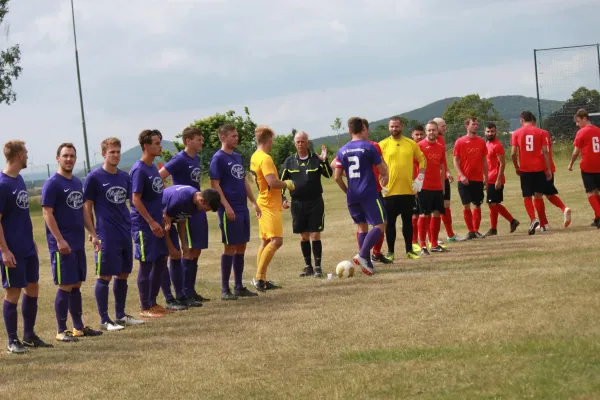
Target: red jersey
588,140
375,170
549,142
471,152
442,141
530,141
435,154
494,149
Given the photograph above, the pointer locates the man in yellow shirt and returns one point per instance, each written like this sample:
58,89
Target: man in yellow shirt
269,201
399,195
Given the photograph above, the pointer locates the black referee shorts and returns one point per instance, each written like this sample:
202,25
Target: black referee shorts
533,182
446,189
495,196
471,193
591,181
308,215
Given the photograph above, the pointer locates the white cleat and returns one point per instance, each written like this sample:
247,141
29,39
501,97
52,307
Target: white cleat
534,224
567,217
110,326
364,265
129,321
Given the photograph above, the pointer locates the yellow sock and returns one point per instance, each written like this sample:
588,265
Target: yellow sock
265,259
258,255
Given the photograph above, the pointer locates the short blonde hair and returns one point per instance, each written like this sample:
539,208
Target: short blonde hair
12,148
111,141
263,133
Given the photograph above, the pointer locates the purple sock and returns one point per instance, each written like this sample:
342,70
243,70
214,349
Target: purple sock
29,310
101,292
186,269
361,239
165,285
238,270
76,308
61,308
226,264
177,277
9,311
193,274
143,284
370,241
120,293
158,268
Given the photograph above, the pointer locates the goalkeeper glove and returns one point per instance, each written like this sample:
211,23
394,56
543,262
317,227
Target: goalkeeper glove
418,183
289,184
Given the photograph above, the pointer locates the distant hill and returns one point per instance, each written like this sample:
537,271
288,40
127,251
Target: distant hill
509,108
129,157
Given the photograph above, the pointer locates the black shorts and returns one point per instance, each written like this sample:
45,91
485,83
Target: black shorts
471,193
308,215
446,189
416,207
591,181
533,182
495,195
549,188
430,201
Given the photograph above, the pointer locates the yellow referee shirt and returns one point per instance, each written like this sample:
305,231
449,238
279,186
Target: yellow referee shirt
398,154
261,165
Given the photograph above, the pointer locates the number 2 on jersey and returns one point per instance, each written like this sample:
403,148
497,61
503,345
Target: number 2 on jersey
354,168
529,142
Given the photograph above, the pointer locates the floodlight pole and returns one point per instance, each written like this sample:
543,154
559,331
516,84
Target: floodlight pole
598,52
537,88
85,142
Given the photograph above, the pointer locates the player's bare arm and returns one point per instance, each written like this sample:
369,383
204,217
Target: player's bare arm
88,222
485,171
157,229
164,174
459,171
216,184
574,156
383,173
275,183
284,176
61,243
252,199
514,154
338,176
501,167
547,162
8,257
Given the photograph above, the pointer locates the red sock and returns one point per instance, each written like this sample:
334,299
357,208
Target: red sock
529,207
540,207
554,199
598,197
434,230
415,238
378,245
468,219
595,203
476,218
423,227
494,216
504,212
447,219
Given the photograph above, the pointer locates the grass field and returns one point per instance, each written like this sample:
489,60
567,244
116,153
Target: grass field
509,317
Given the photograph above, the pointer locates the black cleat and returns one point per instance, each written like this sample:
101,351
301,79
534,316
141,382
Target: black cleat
318,272
191,302
199,298
597,223
479,235
534,224
424,252
307,271
259,284
471,236
36,342
270,285
16,347
86,331
380,258
513,225
244,292
438,249
228,296
491,232
176,305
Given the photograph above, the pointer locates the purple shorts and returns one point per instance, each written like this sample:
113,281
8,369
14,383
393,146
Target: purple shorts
25,272
114,258
174,235
237,231
69,269
196,231
370,211
148,247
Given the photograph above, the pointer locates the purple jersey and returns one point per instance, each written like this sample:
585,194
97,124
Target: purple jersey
16,222
109,192
146,181
358,157
229,171
185,170
65,197
178,202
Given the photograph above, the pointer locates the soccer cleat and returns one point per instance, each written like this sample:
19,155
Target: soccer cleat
228,296
16,347
416,247
412,255
192,302
162,310
110,326
479,235
438,249
86,331
318,272
36,342
544,229
151,313
471,236
259,284
457,238
567,217
244,292
363,264
533,226
597,223
380,258
513,225
176,305
424,252
66,337
307,271
491,232
128,320
440,244
198,297
270,285
390,256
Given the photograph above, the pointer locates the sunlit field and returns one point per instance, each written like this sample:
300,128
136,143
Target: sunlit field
512,316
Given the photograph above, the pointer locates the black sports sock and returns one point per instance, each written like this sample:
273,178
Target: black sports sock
317,250
305,246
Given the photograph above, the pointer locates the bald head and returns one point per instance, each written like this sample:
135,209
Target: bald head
441,125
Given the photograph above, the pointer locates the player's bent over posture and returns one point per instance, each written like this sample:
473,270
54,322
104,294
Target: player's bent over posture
62,205
356,159
20,264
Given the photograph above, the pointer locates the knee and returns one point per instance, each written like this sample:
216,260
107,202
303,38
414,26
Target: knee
304,236
229,250
315,236
277,242
12,295
123,276
32,289
66,288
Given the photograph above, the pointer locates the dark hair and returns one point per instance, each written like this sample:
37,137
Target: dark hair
491,125
212,198
189,133
419,128
397,119
67,145
365,123
527,116
582,113
355,125
225,129
468,120
145,136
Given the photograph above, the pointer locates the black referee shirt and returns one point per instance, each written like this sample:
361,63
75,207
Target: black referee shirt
306,175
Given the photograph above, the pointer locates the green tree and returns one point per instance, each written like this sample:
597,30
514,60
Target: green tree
210,126
283,147
10,60
337,128
560,123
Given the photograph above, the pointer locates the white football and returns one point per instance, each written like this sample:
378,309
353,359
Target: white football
345,269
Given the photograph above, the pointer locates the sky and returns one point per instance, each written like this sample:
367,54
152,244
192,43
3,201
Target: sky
161,64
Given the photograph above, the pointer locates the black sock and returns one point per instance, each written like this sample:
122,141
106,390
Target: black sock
317,250
305,246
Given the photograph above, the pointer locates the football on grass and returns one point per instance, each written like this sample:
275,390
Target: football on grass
345,269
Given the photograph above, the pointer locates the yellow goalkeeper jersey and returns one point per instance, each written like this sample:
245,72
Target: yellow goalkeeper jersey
399,154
